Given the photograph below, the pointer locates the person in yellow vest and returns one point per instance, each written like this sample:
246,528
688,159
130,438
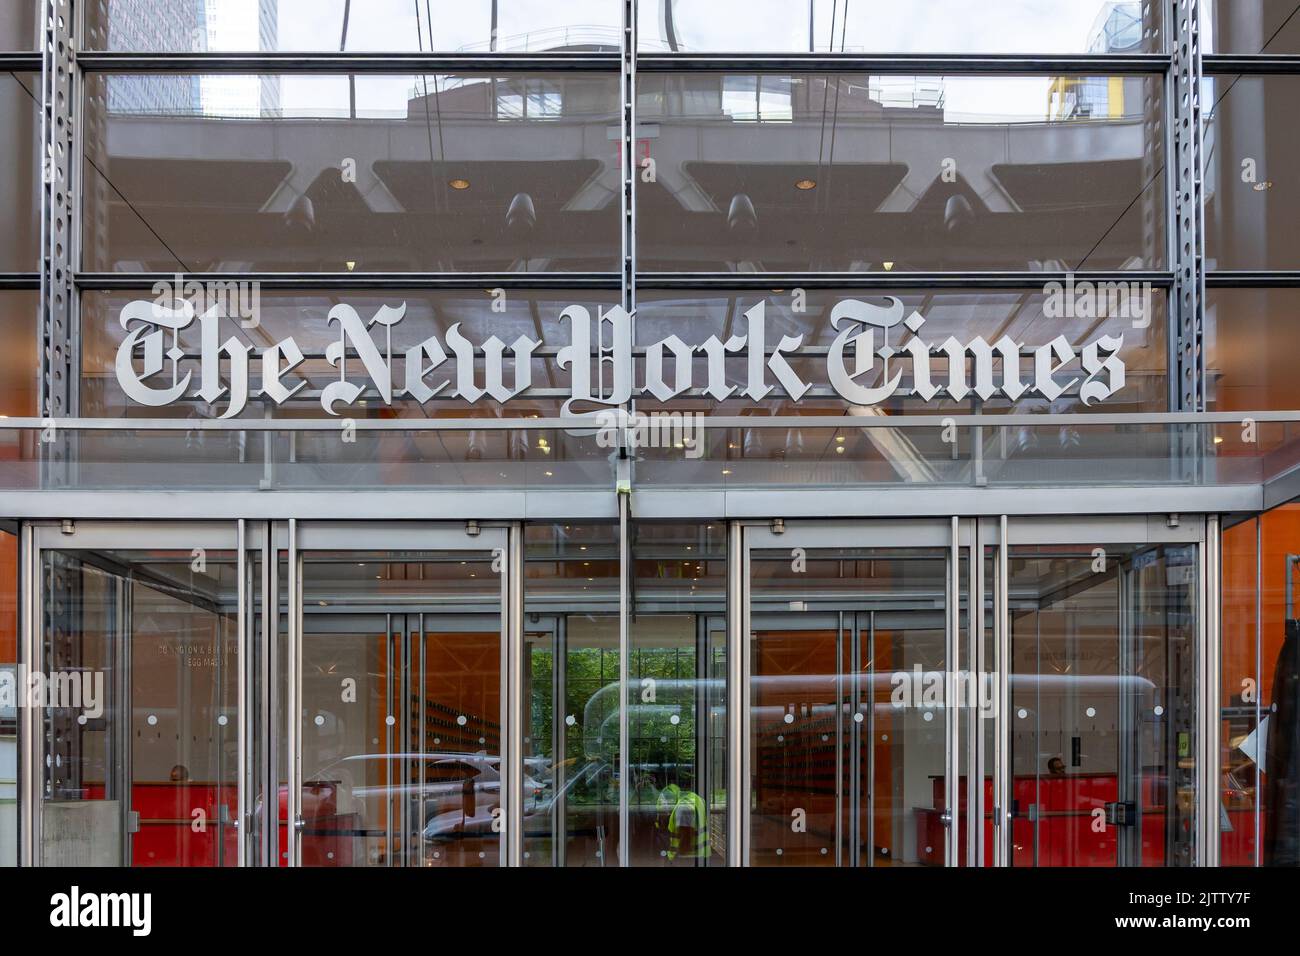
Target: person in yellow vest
688,828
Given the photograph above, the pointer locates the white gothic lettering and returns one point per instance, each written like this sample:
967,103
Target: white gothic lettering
862,367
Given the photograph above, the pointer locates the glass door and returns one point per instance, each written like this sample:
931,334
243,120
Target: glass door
1100,724
399,653
850,683
137,667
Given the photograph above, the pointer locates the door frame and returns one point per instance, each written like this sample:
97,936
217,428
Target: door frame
41,536
302,537
953,535
1202,532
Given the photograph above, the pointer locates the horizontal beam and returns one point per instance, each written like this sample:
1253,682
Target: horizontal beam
726,281
491,64
767,503
20,280
888,422
21,62
1249,63
310,281
901,63
1244,279
666,281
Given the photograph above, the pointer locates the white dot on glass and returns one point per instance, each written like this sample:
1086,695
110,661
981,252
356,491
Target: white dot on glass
780,852
390,720
929,849
436,740
789,718
1159,710
674,720
481,855
663,740
1091,712
884,851
329,855
927,716
823,851
462,720
374,740
482,740
320,720
1022,713
437,855
884,736
81,719
527,854
780,738
826,737
570,720
152,719
223,720
857,718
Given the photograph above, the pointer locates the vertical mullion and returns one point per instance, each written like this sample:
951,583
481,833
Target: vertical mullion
735,697
952,725
1003,823
512,756
293,706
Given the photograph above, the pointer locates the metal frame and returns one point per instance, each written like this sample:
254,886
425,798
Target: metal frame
955,537
1203,532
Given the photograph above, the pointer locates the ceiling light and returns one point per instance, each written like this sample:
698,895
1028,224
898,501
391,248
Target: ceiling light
1218,439
805,184
459,184
889,266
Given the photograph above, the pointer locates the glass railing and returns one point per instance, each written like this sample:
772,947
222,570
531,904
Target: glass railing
675,451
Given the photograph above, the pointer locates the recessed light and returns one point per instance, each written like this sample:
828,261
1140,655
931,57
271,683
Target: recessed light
805,184
459,184
889,266
1261,187
1218,439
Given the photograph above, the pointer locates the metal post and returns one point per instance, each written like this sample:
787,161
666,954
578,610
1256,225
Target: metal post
241,694
293,709
975,687
624,651
514,709
952,725
29,718
1208,758
737,642
1003,797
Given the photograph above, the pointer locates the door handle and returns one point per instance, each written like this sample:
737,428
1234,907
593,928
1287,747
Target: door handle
946,818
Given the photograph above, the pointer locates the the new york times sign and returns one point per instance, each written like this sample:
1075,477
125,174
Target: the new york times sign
860,366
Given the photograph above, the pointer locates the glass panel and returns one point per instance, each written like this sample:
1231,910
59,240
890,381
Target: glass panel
847,694
20,191
18,25
402,710
302,173
1277,656
1249,349
1250,26
677,697
19,359
920,26
9,706
1241,741
900,173
1103,704
1251,200
140,657
466,26
1133,314
572,752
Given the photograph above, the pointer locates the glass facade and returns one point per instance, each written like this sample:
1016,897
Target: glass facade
648,434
